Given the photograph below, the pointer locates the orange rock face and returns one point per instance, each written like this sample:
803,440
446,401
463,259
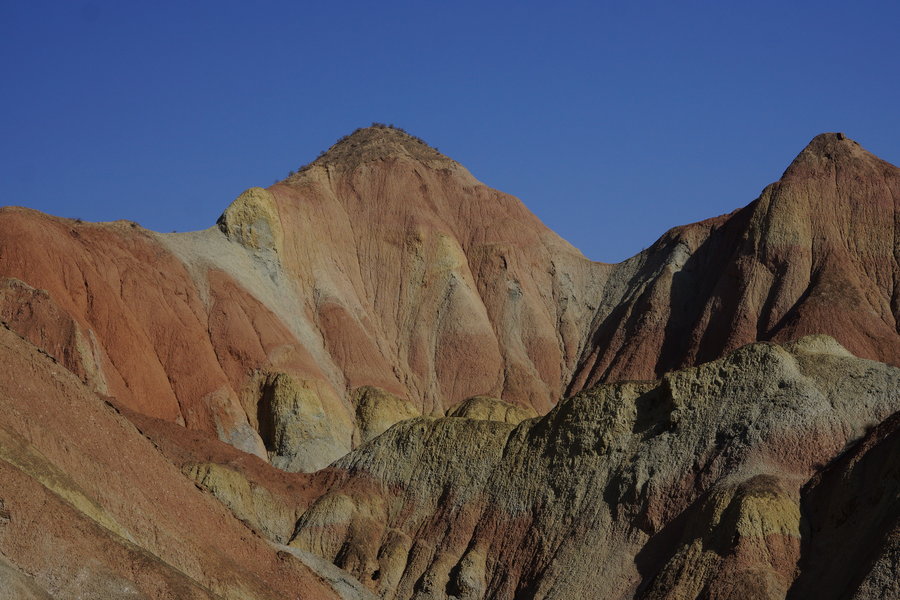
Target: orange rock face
815,253
384,301
386,264
90,508
383,264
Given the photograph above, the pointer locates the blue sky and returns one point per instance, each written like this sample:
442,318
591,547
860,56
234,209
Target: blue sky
611,121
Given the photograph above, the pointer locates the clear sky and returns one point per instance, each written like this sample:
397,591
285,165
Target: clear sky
613,121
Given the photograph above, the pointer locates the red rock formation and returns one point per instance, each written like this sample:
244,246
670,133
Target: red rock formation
852,505
382,264
90,508
383,282
386,264
815,253
694,486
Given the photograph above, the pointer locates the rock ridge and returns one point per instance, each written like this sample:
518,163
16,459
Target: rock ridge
384,366
408,276
634,489
375,143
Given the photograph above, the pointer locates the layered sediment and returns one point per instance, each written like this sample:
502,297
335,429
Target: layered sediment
382,378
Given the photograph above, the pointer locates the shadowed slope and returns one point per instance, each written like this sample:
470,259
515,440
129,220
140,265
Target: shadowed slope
815,253
682,488
350,306
386,265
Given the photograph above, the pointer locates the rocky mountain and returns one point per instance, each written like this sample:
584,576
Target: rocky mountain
817,252
89,507
385,264
448,365
382,264
698,485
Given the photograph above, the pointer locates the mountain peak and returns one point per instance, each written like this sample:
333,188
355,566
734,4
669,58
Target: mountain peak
378,142
830,142
831,147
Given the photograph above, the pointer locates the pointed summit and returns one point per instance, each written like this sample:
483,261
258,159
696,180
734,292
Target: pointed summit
831,145
378,142
825,149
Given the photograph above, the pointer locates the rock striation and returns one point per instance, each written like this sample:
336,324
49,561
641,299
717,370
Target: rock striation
704,484
381,378
384,264
815,253
90,508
